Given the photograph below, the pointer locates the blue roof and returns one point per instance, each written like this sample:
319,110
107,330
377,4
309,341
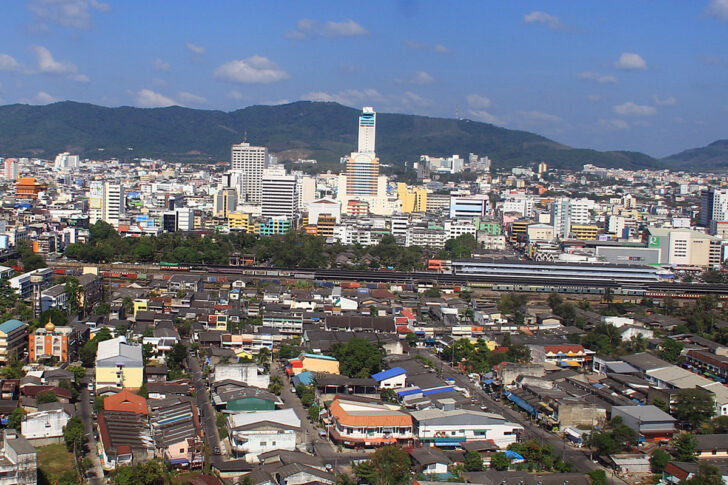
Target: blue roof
10,325
319,356
305,378
389,373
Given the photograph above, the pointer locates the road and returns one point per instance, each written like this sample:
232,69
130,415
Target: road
323,448
207,412
84,412
579,458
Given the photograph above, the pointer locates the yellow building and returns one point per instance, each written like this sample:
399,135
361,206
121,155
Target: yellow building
140,306
325,226
239,221
119,365
314,363
412,201
519,228
585,232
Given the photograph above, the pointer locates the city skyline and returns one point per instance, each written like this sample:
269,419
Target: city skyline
622,76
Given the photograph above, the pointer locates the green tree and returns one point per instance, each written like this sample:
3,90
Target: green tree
13,370
412,339
74,434
127,304
313,413
670,350
102,309
78,373
358,357
432,292
694,407
500,461
473,461
598,477
276,385
150,473
16,418
176,357
73,290
708,474
390,465
388,395
46,397
99,404
659,460
307,394
685,447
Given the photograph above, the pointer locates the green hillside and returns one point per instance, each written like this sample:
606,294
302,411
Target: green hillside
708,158
324,131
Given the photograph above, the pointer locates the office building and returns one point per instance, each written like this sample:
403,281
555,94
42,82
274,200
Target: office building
279,198
114,203
11,169
226,201
251,161
12,340
713,207
468,207
567,212
362,167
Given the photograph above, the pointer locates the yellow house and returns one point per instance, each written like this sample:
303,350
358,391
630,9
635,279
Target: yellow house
314,363
585,232
119,365
140,306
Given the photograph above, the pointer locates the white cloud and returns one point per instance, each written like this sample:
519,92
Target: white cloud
350,97
477,101
190,98
614,124
8,63
632,109
540,116
236,95
67,13
550,21
160,65
420,77
410,100
196,49
309,29
253,70
439,48
669,101
43,98
595,76
48,65
275,102
629,61
482,115
719,9
146,98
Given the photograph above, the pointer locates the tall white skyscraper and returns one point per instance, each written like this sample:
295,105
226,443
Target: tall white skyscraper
95,202
362,167
566,212
251,161
113,203
279,194
10,169
367,130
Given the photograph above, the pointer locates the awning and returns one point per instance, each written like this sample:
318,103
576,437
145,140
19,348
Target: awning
179,461
488,381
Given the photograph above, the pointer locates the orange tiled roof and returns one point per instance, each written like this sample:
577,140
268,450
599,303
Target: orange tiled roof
394,419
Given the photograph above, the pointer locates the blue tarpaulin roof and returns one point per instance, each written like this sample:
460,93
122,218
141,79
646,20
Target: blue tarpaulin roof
488,381
513,455
388,374
305,378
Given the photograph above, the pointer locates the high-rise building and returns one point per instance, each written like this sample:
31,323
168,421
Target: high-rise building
713,206
114,205
362,167
10,169
279,198
367,130
251,161
226,201
95,202
566,212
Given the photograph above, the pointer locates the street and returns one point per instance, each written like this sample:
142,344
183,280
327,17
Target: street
579,458
84,412
207,412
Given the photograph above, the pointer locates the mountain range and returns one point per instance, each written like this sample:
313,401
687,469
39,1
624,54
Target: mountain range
319,130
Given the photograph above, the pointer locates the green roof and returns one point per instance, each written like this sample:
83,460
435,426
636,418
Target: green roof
10,326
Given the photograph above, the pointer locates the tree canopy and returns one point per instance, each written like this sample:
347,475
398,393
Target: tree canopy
358,357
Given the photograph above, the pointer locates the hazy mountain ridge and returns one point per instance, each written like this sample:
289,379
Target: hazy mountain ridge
324,131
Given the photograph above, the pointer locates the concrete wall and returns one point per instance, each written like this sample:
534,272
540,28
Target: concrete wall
580,414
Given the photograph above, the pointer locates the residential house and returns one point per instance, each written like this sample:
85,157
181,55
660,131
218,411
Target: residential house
393,378
711,446
176,431
119,364
247,373
365,423
18,460
649,421
46,425
437,427
315,363
13,339
254,433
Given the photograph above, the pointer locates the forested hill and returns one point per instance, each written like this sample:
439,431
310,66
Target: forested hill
324,131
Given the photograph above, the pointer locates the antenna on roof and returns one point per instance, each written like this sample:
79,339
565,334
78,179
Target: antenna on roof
245,136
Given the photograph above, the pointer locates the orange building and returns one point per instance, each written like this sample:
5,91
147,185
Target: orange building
357,208
28,188
51,341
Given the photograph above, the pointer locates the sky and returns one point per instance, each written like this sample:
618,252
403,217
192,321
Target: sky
649,76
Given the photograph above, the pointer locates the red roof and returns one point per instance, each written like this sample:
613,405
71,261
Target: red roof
126,400
408,314
33,391
563,348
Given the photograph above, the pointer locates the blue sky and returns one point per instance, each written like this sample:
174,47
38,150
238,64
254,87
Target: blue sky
650,76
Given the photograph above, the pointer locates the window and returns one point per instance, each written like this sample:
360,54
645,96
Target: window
272,443
181,450
263,443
